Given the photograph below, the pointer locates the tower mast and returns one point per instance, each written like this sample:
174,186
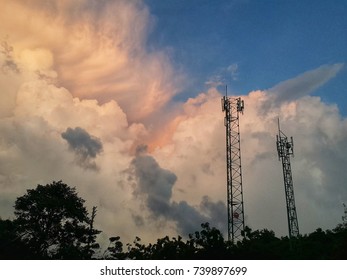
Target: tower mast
285,149
232,107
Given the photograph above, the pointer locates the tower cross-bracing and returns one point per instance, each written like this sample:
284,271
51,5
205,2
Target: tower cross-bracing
232,108
285,149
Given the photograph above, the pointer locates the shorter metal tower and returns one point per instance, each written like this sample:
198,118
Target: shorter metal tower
232,107
285,149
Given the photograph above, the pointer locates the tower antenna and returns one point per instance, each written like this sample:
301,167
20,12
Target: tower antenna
232,107
285,149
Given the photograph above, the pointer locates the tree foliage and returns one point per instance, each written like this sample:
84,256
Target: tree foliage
208,243
53,222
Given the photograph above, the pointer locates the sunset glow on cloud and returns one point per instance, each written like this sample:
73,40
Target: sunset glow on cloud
84,99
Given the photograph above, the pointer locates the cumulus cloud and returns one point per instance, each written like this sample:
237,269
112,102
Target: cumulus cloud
85,146
95,49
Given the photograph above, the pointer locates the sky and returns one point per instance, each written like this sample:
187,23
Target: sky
122,99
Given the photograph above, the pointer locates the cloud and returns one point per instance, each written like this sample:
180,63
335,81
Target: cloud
223,75
81,142
156,184
305,83
233,70
84,145
96,50
189,218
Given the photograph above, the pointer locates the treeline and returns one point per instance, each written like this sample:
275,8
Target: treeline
51,222
208,243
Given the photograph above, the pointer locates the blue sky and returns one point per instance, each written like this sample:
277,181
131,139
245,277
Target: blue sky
265,42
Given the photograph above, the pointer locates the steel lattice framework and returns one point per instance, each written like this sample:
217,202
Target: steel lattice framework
232,107
285,149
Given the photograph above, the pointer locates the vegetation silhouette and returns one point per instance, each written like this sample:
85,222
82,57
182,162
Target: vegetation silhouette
208,243
52,223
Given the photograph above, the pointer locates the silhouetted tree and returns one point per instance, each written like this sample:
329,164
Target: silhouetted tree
53,222
258,244
114,249
11,246
339,248
208,243
205,244
171,249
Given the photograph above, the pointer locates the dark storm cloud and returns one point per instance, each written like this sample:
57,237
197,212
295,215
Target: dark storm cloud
154,181
157,184
216,211
85,146
189,218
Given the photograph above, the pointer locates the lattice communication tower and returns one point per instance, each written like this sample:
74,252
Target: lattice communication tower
285,149
232,108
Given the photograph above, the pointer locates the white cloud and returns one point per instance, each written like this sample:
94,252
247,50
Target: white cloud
305,83
223,76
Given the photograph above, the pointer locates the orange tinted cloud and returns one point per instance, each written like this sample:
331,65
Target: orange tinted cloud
96,49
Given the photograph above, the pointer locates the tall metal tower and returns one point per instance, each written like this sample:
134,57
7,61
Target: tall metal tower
285,149
232,108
